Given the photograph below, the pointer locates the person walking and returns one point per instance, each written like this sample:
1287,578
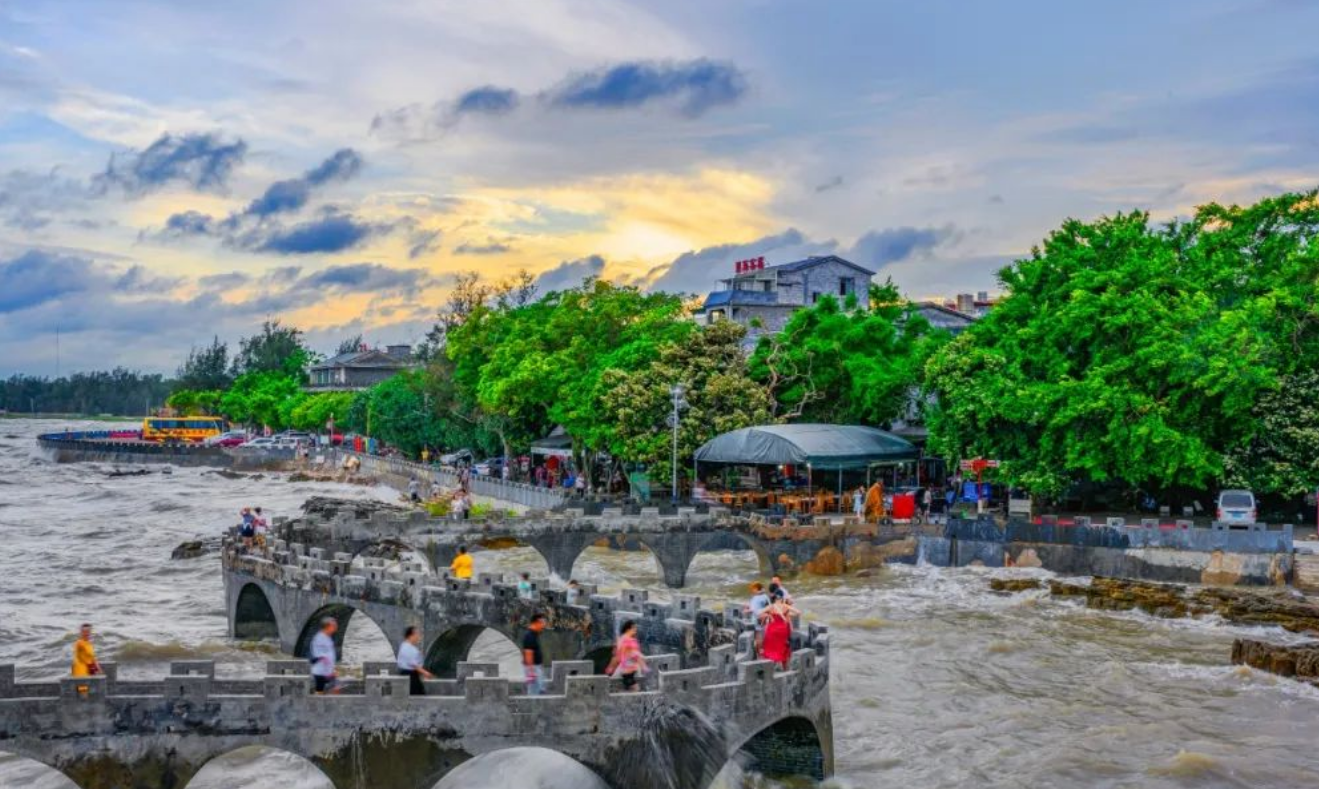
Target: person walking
525,589
628,661
410,662
859,503
927,501
778,632
323,656
84,656
533,659
573,596
461,566
754,608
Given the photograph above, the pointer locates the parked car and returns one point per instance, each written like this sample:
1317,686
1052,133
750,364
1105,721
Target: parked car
262,442
1237,506
490,467
461,457
230,439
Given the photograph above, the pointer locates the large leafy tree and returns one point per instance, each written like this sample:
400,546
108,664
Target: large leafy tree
1125,351
206,368
847,363
275,349
261,398
1283,456
710,365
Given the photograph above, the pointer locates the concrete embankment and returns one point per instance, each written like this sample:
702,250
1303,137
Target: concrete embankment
1178,553
104,446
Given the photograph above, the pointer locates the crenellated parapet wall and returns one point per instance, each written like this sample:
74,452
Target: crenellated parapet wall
104,732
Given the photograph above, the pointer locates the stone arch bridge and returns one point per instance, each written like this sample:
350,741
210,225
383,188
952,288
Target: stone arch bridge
708,702
340,526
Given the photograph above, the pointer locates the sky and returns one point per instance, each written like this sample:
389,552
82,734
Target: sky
171,171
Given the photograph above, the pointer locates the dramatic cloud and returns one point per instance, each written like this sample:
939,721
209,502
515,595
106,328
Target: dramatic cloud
366,278
333,232
694,86
880,247
569,274
492,248
487,100
37,277
292,194
699,271
421,242
201,161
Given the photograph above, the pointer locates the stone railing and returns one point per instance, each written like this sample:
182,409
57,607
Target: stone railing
518,493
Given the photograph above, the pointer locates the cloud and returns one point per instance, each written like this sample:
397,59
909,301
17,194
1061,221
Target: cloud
201,161
37,277
491,248
365,278
570,274
487,100
879,248
332,232
423,241
138,279
292,194
700,270
29,200
226,281
694,86
832,183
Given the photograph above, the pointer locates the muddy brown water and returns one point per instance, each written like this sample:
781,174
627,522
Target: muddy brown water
936,682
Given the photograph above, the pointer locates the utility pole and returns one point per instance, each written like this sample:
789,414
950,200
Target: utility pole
678,404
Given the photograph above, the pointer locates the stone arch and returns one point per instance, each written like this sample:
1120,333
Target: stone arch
789,747
625,544
453,646
496,545
340,611
522,765
19,770
278,767
732,541
389,548
254,617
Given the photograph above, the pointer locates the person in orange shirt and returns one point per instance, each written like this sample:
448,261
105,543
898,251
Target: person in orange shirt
461,567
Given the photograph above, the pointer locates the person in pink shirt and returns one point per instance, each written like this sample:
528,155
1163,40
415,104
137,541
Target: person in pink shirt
628,661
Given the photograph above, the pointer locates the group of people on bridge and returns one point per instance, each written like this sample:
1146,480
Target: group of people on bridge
770,612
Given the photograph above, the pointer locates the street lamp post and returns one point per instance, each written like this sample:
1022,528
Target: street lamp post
678,404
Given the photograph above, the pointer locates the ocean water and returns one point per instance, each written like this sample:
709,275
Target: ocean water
937,683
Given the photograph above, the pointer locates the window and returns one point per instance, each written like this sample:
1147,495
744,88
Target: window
846,286
815,297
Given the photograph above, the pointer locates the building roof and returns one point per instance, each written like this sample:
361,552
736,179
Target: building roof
820,446
949,312
372,357
805,263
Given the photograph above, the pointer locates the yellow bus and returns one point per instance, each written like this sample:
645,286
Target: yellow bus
190,428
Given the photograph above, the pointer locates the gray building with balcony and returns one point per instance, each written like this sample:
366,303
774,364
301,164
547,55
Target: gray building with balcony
773,293
357,370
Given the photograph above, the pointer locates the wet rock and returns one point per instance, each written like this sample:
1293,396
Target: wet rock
1240,606
829,561
133,472
191,549
1014,584
229,474
1300,661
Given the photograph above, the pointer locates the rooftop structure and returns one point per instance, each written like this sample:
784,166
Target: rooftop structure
360,369
772,293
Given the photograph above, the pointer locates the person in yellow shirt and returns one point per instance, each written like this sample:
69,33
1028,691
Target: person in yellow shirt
84,656
461,567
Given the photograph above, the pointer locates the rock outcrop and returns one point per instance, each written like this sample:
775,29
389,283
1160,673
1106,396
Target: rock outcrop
1014,584
1249,607
1300,661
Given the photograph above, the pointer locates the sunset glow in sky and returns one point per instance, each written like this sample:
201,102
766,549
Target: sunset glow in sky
171,171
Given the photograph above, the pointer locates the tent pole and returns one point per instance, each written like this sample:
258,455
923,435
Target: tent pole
840,488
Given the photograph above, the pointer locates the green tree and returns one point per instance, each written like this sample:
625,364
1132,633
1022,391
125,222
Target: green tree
256,398
206,368
1283,455
349,345
709,363
1134,353
193,402
276,349
846,363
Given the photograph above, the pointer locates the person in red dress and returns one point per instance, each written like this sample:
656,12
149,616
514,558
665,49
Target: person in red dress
777,644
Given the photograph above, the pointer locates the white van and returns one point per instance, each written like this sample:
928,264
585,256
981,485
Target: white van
1236,506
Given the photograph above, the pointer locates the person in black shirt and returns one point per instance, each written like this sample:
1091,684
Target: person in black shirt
532,657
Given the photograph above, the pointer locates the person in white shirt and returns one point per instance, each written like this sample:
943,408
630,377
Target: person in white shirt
410,661
323,656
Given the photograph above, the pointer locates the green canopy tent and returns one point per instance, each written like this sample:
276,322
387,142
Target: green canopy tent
818,447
